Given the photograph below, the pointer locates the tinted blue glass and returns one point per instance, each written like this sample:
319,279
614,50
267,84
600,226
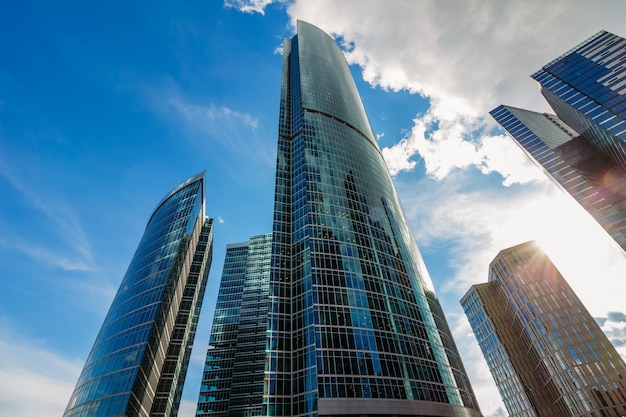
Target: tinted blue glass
585,87
352,313
232,382
131,342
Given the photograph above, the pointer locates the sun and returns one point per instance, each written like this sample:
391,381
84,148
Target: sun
589,259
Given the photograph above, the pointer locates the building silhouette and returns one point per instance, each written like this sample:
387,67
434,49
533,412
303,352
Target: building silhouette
546,353
232,382
583,147
138,363
353,325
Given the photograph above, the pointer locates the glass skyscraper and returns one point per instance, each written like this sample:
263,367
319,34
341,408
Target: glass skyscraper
583,147
232,383
354,326
138,363
546,353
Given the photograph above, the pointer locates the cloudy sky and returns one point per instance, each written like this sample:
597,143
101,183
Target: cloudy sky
106,107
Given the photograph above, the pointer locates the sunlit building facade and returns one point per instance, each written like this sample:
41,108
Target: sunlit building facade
138,363
546,353
583,147
354,325
232,382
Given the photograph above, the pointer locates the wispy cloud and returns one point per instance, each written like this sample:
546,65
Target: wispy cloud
218,129
220,123
206,117
52,257
249,6
34,380
61,218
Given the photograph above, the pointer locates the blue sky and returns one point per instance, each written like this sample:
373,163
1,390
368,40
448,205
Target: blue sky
106,107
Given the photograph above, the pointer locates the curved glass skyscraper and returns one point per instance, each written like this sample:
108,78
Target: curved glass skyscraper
138,363
354,325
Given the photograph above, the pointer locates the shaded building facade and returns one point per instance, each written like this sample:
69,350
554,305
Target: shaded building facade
354,326
583,147
232,382
138,363
546,353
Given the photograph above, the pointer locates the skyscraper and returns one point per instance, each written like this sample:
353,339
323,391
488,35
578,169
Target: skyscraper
546,353
138,363
232,383
353,325
583,147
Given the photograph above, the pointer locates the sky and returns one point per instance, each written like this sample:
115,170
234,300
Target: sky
105,107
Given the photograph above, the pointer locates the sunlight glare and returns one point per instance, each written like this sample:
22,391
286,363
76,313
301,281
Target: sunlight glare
583,252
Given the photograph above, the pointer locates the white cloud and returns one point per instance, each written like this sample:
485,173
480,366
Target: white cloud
614,326
444,146
34,381
464,56
501,155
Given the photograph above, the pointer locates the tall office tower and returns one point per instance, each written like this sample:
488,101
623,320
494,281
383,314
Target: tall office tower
546,353
232,384
583,147
138,363
354,325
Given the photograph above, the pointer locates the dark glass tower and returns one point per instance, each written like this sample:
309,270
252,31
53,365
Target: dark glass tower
138,363
354,325
583,147
232,383
545,351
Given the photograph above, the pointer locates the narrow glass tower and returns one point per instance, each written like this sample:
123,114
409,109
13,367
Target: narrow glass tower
138,363
354,325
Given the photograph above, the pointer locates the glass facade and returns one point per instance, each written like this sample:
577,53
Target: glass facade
138,363
232,383
586,87
546,353
583,147
354,326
